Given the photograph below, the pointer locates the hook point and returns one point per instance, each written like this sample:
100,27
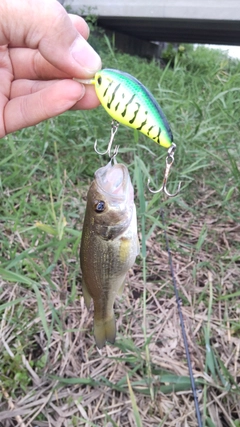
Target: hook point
169,162
114,129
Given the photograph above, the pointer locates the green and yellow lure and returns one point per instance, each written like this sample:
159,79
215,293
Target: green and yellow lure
129,102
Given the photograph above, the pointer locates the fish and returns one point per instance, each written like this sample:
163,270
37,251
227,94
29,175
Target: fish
109,245
129,102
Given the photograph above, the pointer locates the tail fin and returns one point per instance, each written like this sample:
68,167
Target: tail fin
104,330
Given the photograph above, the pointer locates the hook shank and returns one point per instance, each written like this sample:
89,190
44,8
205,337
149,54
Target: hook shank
114,130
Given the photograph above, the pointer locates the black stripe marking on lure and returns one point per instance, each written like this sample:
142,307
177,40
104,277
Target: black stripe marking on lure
116,108
149,130
113,95
135,113
143,123
157,137
129,102
110,84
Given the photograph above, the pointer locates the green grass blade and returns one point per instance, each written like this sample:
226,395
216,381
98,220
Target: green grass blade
134,405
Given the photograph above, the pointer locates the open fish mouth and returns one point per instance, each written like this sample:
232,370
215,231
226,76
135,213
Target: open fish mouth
114,180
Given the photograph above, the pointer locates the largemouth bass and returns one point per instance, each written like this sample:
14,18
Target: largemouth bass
109,245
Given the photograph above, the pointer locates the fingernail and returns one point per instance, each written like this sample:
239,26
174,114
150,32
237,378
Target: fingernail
86,56
82,93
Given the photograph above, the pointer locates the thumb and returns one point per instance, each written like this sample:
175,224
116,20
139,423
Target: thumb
46,26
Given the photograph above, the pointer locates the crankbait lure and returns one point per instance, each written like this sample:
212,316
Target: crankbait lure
129,102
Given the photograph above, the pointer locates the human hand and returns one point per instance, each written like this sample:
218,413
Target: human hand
41,49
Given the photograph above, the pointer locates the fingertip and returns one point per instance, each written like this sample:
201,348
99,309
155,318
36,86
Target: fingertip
80,91
88,101
71,93
86,57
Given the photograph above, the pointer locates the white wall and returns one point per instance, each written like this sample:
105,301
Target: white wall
181,9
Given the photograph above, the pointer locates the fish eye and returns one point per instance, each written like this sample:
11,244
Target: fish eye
99,206
99,80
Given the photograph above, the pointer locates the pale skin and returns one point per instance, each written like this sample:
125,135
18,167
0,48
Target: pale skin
41,49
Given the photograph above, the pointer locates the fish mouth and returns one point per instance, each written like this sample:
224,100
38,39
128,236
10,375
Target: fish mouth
114,181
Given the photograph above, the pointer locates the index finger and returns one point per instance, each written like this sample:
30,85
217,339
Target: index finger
30,64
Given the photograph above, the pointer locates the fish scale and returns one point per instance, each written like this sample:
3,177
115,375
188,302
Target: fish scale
129,102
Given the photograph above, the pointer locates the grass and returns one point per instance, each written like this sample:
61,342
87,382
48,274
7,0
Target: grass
50,371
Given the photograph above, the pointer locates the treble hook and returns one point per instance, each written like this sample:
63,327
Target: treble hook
114,129
169,162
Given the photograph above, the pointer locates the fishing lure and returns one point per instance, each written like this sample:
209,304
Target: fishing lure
129,102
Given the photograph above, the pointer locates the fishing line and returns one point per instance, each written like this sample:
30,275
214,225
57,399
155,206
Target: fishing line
178,300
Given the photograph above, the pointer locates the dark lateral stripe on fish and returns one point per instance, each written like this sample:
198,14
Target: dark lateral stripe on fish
113,95
128,103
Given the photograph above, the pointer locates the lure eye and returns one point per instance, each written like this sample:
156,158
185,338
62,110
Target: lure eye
99,206
99,80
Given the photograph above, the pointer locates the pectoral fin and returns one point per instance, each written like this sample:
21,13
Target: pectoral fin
104,330
87,297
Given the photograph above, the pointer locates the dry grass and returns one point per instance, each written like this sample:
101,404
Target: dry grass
77,386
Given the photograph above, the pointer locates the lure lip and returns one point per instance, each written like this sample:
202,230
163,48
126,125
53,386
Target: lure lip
85,81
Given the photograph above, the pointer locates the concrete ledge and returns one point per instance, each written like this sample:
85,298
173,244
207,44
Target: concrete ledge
177,9
192,21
